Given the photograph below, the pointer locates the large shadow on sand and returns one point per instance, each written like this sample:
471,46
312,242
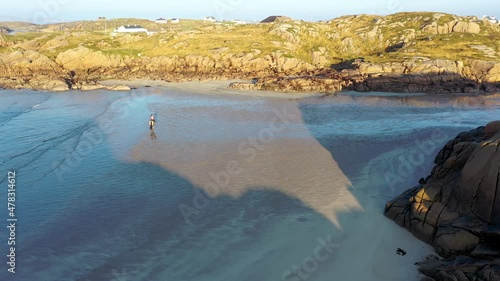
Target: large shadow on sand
126,222
133,229
155,214
336,177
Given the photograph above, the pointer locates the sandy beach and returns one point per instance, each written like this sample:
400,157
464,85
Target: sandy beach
305,170
333,180
250,141
207,87
344,182
229,186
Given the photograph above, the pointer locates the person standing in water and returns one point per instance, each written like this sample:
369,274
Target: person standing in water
152,122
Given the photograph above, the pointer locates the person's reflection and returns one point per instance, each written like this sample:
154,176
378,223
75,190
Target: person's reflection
152,134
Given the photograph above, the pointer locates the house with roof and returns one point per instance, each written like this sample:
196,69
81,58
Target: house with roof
210,19
161,21
130,29
239,22
175,20
491,19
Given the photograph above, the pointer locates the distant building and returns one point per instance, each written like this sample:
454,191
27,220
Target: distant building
101,18
130,29
239,21
175,20
491,19
209,18
161,21
272,19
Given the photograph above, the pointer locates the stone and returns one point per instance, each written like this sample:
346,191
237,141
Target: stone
485,251
44,83
242,86
491,129
490,273
456,209
90,87
82,59
450,241
467,27
118,88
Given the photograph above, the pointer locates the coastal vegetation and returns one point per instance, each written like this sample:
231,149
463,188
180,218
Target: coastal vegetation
374,38
194,49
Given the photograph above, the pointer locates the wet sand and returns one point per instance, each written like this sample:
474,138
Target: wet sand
341,180
207,87
285,156
233,187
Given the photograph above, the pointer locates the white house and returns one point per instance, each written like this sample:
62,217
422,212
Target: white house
239,21
130,29
175,20
209,18
161,21
491,19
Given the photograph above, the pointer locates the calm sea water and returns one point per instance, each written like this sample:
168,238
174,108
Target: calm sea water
100,198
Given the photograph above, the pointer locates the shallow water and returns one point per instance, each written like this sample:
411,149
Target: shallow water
230,188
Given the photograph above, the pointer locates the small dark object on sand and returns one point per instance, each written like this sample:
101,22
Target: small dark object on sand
401,252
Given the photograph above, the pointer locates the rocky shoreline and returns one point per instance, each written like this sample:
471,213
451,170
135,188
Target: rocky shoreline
457,208
416,76
81,68
404,52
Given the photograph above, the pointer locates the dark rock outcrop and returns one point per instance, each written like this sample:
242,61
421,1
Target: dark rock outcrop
5,30
414,76
272,19
461,268
321,84
457,208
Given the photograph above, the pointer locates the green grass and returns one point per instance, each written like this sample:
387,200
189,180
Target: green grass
123,52
196,37
21,37
445,19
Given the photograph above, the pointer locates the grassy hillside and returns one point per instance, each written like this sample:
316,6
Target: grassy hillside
374,38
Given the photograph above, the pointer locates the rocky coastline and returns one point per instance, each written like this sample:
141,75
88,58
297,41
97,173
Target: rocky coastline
415,76
456,209
404,52
81,68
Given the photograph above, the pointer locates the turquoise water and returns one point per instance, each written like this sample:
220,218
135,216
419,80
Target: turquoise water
91,206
